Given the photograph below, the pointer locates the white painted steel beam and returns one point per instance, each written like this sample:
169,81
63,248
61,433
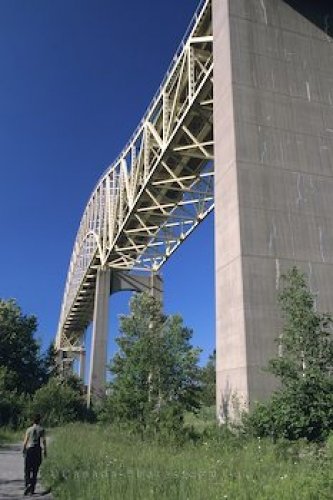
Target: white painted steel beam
159,188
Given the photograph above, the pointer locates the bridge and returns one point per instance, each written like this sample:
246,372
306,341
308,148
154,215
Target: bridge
152,197
235,142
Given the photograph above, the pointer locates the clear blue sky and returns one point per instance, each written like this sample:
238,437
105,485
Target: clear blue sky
75,79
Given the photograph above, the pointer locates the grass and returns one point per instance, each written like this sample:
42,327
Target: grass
8,435
99,463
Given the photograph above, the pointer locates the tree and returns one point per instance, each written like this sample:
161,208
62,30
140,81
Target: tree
303,407
12,404
50,366
208,381
155,373
58,402
19,350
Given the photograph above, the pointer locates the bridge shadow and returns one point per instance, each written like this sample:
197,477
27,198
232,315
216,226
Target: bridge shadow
319,12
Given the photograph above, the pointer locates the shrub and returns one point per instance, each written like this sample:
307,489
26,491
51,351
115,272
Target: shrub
303,407
12,404
58,403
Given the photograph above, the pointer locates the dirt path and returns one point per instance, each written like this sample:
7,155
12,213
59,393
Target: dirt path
12,475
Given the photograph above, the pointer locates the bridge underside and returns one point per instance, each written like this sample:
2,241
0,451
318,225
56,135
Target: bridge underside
154,195
267,166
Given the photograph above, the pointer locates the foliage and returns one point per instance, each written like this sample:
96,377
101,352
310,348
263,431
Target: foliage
104,462
12,403
208,381
303,407
330,447
28,381
201,420
19,351
49,362
306,342
58,402
155,371
8,435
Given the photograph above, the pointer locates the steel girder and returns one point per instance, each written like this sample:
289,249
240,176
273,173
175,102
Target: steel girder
157,191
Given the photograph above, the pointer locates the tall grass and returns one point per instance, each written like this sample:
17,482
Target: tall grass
8,435
94,463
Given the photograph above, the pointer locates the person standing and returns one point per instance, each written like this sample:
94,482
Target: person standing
32,450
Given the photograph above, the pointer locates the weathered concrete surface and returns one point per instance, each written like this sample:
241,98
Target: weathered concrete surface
99,340
273,126
12,474
230,329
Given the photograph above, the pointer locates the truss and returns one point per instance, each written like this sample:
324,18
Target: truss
157,191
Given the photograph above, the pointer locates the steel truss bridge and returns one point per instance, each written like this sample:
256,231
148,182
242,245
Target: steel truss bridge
155,193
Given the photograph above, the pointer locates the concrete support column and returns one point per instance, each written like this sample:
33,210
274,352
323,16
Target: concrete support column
98,360
156,287
67,359
231,358
60,361
273,154
82,364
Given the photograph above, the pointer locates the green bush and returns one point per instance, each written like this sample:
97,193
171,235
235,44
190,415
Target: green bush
305,410
59,403
303,407
8,435
12,404
12,409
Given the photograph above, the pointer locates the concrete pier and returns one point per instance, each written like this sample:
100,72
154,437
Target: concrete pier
98,356
273,133
82,364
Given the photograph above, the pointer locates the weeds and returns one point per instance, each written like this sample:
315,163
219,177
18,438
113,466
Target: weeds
8,435
98,463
